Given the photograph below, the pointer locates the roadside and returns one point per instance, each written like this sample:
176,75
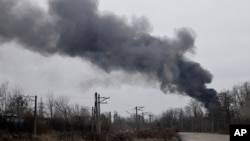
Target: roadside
190,136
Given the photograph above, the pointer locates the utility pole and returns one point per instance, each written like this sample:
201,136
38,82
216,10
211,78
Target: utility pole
98,115
137,108
35,114
98,101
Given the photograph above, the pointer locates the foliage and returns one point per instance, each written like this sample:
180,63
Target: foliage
230,106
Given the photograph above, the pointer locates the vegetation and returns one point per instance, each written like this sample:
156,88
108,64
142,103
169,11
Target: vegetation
229,107
57,118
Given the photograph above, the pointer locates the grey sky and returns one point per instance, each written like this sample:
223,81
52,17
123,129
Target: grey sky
222,47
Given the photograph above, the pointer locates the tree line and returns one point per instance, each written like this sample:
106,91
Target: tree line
230,106
53,113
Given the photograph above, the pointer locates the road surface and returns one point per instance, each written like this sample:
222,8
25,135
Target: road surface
188,136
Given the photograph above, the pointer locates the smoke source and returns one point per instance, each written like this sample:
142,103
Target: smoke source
77,28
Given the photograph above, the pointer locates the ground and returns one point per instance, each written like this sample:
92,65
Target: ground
188,136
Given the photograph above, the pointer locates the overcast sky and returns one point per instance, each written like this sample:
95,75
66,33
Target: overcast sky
222,46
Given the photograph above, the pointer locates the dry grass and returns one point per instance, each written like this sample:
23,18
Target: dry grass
155,139
48,137
156,134
149,139
54,136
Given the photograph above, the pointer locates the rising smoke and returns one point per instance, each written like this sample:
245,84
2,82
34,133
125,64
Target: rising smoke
77,28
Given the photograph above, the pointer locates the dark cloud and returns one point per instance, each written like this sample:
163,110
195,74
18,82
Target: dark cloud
26,23
108,41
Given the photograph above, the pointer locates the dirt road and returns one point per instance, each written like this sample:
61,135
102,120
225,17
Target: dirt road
186,136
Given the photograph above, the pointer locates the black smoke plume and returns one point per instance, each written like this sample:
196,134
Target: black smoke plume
78,28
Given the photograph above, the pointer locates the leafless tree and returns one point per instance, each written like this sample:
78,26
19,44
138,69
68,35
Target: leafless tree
3,96
41,108
226,101
50,103
62,107
16,102
195,109
241,96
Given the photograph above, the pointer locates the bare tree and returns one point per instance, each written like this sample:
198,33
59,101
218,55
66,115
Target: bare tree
62,107
226,101
41,108
62,111
79,117
181,119
3,96
16,103
50,103
197,113
241,96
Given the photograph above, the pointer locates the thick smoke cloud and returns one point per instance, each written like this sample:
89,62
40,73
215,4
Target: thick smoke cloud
22,21
77,28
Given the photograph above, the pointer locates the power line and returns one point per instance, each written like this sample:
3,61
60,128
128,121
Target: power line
80,97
